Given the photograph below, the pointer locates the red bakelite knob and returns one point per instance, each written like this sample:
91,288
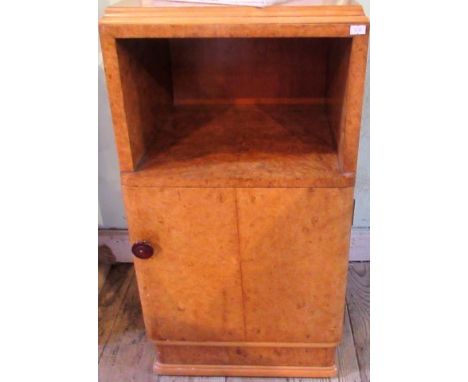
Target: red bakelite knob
142,250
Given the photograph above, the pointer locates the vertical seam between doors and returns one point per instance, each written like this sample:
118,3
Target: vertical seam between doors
240,262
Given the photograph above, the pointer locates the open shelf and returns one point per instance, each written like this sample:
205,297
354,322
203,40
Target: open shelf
261,112
242,146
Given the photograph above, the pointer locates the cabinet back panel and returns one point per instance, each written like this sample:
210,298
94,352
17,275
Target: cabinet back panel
248,70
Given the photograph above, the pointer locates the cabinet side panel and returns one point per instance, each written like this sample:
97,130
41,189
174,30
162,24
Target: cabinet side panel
337,75
349,143
190,289
145,75
347,61
114,89
294,249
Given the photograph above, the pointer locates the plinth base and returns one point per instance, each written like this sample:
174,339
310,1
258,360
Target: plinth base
245,360
245,371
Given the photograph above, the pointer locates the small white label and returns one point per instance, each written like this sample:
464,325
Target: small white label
357,29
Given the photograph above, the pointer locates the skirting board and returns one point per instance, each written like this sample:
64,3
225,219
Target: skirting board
117,241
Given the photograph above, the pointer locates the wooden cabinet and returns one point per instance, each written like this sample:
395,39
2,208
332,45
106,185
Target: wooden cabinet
237,131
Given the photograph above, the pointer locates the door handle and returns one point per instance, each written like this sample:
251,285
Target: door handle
142,250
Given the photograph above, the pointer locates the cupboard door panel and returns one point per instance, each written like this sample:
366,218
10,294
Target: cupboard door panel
190,289
294,252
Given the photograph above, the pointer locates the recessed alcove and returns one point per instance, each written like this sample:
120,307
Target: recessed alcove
234,111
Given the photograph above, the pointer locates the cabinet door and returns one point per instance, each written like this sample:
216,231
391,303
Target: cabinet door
190,289
294,252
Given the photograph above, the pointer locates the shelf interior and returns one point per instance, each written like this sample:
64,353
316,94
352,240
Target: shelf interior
234,112
241,145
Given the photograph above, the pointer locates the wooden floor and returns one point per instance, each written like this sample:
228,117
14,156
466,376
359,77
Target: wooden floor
126,355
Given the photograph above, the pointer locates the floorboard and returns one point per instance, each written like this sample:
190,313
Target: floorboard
103,271
127,355
348,369
105,258
111,299
191,379
358,297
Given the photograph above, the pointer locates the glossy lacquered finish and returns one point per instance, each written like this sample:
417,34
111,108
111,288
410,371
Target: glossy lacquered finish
237,130
142,250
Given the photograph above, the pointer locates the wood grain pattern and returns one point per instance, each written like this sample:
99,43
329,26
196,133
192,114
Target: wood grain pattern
243,370
233,293
291,8
128,355
298,234
349,140
168,378
337,80
118,241
152,74
231,69
346,76
358,304
238,161
227,290
242,146
307,77
147,89
103,271
191,289
116,101
320,19
111,298
105,259
131,354
347,364
294,250
246,355
154,27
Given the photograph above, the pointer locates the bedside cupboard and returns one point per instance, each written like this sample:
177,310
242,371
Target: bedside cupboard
237,131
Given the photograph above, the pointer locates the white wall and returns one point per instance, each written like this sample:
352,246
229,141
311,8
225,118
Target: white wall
362,192
111,210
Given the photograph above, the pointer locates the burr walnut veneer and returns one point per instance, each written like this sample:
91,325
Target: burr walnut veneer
237,131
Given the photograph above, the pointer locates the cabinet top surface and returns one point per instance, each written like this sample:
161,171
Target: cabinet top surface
292,8
179,4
